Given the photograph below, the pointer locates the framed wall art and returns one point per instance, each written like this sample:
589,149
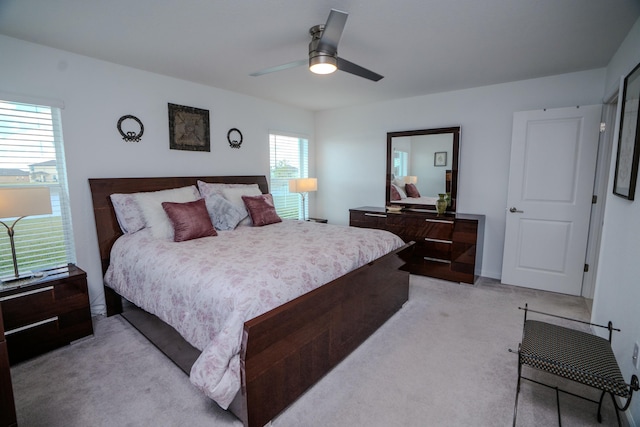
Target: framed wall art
188,128
624,182
440,158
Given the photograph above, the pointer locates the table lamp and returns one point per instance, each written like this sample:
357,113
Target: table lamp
21,202
303,186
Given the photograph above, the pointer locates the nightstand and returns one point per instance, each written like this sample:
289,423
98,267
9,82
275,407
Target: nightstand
321,220
7,405
47,313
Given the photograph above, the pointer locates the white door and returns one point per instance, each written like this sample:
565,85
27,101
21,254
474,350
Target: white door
553,161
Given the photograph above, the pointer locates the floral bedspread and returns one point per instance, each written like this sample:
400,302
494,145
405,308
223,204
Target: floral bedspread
207,288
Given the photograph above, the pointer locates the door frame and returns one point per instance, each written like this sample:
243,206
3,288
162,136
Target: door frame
600,187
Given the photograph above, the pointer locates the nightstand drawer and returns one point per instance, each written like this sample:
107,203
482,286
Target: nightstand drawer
51,312
34,305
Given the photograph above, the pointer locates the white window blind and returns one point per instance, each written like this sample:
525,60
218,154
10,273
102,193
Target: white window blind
289,158
32,154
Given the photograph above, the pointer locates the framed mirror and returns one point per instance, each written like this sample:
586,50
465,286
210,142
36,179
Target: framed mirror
421,164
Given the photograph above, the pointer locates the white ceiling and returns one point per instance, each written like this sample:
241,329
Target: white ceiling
420,46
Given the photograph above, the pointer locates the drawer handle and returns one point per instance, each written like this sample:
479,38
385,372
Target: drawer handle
438,240
444,261
376,215
24,294
441,221
32,325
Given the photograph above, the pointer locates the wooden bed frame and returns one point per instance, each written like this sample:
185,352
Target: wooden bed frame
288,349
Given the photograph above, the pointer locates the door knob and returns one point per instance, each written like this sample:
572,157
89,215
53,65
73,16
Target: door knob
513,209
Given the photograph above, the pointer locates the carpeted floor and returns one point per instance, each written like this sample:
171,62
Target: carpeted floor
442,360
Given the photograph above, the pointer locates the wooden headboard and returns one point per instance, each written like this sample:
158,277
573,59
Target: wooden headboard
101,188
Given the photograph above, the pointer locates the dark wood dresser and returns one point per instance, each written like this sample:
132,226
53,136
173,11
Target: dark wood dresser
447,247
7,405
47,313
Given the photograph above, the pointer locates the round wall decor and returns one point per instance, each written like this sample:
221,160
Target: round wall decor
234,136
130,136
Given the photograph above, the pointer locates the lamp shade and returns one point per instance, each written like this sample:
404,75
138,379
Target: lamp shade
303,185
23,201
410,179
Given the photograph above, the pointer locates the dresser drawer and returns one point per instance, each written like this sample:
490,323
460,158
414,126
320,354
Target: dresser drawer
438,251
417,228
368,220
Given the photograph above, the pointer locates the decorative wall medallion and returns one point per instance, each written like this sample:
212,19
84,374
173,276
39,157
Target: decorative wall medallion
234,136
188,128
130,136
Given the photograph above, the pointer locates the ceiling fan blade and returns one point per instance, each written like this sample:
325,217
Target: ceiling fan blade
280,67
332,31
350,67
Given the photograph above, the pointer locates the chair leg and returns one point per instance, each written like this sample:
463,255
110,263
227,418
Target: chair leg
615,408
600,406
515,406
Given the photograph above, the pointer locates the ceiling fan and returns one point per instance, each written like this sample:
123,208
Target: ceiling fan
323,51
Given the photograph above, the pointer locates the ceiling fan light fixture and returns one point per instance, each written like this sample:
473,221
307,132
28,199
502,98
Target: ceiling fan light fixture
323,64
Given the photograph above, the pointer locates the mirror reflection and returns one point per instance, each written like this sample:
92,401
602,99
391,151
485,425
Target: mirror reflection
422,164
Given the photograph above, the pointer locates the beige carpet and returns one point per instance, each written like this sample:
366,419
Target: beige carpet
442,360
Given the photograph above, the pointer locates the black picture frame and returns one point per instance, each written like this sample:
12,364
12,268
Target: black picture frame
189,128
440,158
626,174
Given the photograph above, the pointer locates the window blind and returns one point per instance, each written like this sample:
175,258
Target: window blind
289,158
32,154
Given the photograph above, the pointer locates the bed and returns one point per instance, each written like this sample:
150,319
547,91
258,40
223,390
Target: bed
284,350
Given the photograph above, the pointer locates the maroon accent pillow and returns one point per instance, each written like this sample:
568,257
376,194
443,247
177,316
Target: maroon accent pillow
261,209
412,190
395,195
190,220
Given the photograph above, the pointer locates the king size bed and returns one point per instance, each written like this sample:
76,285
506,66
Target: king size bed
254,313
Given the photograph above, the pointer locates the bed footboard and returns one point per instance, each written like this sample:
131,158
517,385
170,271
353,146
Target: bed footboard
287,350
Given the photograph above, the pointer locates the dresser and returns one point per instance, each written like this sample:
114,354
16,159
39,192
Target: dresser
46,313
447,247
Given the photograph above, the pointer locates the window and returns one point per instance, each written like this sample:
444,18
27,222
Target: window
289,158
31,154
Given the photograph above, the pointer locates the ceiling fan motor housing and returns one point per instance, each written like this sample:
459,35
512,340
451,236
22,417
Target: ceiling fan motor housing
319,58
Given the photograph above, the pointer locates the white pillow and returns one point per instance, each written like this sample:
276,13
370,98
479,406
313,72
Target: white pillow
209,188
155,217
234,195
401,192
129,216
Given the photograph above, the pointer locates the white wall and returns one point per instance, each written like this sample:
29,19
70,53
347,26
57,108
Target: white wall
617,294
96,94
351,146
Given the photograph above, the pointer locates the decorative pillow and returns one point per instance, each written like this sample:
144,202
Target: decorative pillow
128,213
234,195
224,214
261,209
412,190
209,188
400,191
394,193
150,204
190,220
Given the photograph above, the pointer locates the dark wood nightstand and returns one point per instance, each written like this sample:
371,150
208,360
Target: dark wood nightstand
47,313
7,404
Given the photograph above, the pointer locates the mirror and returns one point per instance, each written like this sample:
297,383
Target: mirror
426,158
